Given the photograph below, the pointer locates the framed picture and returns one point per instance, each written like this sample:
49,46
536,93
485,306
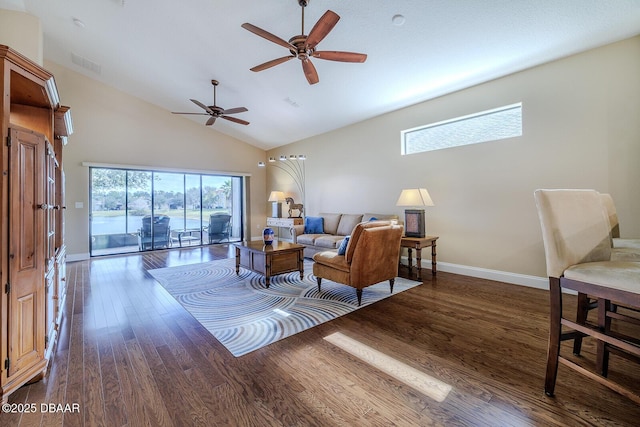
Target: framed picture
414,222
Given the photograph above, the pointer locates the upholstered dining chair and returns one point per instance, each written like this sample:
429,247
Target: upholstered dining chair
575,233
617,241
371,257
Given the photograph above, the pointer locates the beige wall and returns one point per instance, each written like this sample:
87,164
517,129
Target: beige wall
115,128
22,32
581,125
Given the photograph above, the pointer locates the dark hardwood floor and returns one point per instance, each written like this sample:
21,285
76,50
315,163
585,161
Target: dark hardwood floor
130,355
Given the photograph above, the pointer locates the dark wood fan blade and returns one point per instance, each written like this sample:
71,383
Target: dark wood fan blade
271,63
324,25
197,114
235,110
267,35
211,121
235,120
310,72
332,55
201,105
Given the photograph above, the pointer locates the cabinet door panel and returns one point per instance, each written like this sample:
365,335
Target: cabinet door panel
26,249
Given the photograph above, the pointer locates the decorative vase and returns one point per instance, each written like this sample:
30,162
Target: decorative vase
267,235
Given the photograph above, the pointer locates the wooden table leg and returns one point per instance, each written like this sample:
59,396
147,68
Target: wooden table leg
409,257
433,259
301,264
267,270
419,262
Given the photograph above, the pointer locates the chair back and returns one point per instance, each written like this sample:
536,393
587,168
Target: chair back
160,225
575,228
219,223
373,252
610,208
219,227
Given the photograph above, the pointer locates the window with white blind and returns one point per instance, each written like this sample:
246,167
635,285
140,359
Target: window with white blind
490,125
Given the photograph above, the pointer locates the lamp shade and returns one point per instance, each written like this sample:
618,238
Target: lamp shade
414,197
276,196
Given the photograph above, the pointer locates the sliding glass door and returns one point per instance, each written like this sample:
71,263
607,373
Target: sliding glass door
134,210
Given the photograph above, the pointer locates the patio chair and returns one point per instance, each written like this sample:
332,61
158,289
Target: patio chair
154,234
219,227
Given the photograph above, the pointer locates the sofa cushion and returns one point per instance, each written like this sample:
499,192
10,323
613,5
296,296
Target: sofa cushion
313,225
331,221
347,223
308,239
342,249
327,241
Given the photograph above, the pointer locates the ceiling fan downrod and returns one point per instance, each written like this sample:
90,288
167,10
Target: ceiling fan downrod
214,83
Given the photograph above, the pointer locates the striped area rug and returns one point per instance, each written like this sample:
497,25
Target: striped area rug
245,316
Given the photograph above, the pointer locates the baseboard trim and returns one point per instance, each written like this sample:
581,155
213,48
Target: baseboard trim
485,273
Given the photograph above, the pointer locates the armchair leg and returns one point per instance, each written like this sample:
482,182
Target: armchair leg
319,279
391,282
359,295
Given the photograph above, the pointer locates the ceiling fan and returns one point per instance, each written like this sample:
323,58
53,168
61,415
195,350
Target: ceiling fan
217,112
304,47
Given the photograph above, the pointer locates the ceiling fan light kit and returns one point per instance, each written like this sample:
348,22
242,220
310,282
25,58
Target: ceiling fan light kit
217,112
304,46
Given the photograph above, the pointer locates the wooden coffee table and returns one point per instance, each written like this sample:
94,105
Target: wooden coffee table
269,260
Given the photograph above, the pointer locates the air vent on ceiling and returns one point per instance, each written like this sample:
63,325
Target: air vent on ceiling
86,63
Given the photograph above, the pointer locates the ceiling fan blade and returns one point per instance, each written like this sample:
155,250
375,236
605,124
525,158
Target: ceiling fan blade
310,72
201,105
267,35
235,120
271,63
332,55
211,121
197,114
324,25
235,110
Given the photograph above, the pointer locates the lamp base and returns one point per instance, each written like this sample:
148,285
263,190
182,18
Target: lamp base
276,210
414,223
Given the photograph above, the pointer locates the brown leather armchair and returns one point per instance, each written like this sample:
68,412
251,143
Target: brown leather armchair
371,257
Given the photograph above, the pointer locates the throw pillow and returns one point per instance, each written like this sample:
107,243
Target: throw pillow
342,249
314,225
373,218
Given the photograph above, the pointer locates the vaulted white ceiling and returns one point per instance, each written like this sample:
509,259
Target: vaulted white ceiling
167,52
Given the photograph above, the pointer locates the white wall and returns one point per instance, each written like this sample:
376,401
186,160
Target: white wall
115,128
581,125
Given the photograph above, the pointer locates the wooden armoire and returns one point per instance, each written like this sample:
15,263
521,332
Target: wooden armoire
35,128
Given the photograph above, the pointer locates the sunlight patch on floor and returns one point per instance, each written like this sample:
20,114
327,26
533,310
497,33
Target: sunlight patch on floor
434,388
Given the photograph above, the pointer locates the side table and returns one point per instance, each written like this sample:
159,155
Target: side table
284,222
418,243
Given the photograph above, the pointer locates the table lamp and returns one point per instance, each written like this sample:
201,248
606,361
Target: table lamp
414,218
276,207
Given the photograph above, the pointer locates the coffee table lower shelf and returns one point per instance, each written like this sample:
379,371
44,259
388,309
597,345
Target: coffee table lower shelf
269,260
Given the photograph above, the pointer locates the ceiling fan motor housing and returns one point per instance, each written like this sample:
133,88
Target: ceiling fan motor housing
300,43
